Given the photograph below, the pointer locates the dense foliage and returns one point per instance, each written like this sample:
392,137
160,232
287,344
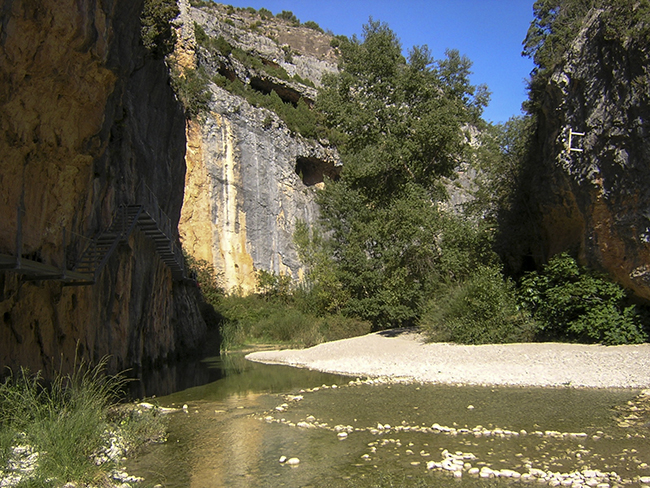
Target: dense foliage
480,310
398,124
192,89
278,313
157,31
570,302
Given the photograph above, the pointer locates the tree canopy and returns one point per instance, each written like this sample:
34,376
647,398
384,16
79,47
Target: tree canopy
399,125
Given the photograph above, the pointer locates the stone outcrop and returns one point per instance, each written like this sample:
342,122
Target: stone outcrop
594,201
87,117
244,193
250,179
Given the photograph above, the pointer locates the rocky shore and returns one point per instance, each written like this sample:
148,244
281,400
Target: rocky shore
403,355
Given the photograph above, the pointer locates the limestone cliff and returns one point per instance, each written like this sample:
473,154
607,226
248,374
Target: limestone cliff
593,198
249,177
87,116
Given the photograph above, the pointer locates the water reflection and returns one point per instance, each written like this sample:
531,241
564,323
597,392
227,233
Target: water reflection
237,428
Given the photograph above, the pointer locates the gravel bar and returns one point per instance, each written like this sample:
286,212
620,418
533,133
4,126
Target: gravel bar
403,355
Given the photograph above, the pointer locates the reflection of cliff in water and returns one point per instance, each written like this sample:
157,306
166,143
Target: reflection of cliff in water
205,367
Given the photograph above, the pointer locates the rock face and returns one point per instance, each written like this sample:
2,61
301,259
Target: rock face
86,118
249,177
595,202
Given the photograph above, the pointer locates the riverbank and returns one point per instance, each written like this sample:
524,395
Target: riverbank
403,355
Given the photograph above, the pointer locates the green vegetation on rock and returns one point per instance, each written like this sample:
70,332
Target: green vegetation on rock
191,87
388,251
157,31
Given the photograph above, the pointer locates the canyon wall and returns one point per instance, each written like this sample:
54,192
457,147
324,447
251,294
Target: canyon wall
250,178
593,198
87,117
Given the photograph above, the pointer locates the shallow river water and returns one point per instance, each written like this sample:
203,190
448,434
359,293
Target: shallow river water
349,433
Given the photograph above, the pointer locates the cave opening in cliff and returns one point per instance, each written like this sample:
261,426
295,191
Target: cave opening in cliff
313,171
265,86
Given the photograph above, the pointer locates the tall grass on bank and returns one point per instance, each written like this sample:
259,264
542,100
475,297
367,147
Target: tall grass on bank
66,421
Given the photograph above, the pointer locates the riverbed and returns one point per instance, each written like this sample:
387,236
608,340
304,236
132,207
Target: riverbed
331,430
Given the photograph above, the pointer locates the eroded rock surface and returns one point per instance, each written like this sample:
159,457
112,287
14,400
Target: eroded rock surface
250,179
87,116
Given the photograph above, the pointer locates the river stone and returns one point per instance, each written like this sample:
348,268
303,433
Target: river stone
294,461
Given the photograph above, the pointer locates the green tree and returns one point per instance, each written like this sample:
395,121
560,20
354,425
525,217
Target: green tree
289,16
313,25
479,310
399,124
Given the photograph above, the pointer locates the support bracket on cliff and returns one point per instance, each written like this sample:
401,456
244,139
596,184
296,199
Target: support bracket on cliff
571,135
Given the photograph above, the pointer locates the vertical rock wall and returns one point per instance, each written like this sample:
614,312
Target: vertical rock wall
250,179
243,194
594,203
86,116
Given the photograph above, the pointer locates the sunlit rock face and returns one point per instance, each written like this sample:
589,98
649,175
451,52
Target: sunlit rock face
595,202
249,178
249,181
86,118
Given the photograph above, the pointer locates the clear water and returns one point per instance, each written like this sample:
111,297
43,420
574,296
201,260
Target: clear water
234,434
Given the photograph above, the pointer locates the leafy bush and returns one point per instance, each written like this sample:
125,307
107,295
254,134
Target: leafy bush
157,31
265,13
191,87
289,16
281,315
310,24
273,286
206,278
570,302
480,310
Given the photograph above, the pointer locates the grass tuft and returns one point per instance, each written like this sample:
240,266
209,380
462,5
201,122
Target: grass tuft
65,422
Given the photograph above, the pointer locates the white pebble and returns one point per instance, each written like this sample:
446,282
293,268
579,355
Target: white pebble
293,461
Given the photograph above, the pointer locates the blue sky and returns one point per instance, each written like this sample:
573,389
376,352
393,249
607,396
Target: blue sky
488,32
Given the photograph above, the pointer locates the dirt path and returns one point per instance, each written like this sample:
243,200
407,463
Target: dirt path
403,354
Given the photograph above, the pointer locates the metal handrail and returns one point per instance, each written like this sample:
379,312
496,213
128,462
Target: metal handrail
92,259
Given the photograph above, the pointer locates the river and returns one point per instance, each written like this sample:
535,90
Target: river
346,432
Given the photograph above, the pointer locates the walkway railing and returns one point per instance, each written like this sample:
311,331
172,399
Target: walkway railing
146,215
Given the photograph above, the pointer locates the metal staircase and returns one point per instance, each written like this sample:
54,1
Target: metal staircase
96,255
146,216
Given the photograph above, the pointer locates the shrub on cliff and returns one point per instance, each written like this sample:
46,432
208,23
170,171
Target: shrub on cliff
569,302
157,31
191,87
